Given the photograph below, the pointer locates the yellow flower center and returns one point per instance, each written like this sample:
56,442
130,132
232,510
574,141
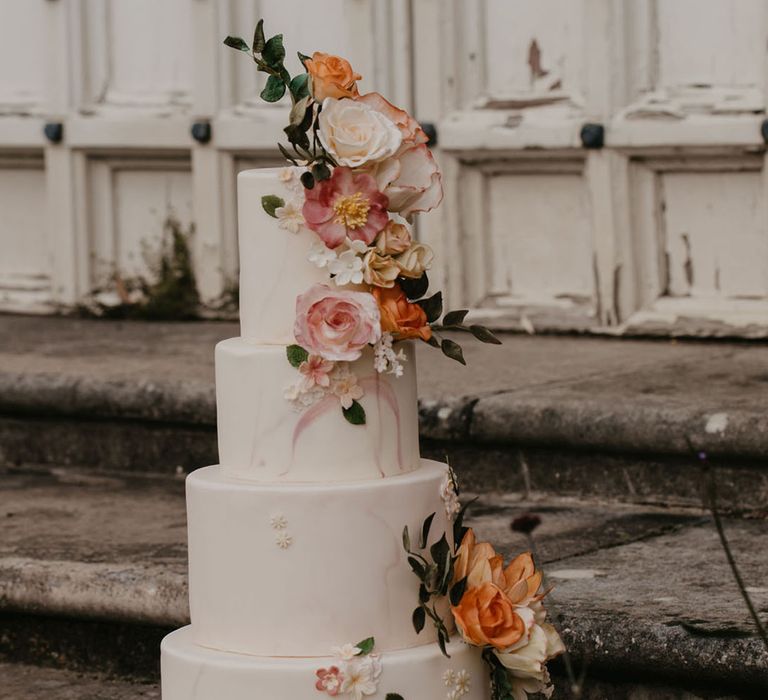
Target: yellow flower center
352,210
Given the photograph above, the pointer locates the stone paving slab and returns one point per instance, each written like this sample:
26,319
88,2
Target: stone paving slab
21,682
640,590
569,391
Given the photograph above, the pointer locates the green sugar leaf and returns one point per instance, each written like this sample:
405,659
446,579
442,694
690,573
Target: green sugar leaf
355,414
366,646
296,354
235,42
270,202
453,350
274,89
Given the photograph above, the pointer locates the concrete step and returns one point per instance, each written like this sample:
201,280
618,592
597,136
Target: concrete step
93,573
23,682
565,415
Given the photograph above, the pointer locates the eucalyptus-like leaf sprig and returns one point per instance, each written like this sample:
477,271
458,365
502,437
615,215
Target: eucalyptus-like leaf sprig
435,570
269,56
415,289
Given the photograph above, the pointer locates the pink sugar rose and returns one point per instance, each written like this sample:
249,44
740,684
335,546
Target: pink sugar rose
329,680
336,324
346,205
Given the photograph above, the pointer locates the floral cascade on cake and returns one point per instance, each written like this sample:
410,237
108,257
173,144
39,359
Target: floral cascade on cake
358,171
496,608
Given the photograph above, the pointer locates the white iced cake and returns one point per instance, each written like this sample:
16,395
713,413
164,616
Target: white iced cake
326,558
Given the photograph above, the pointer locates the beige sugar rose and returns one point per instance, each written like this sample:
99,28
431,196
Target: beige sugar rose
356,134
394,239
415,261
380,270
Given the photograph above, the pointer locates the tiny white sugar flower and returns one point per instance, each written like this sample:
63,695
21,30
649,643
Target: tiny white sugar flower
359,247
278,522
289,217
345,652
462,682
347,268
449,678
283,540
321,255
449,496
290,178
361,676
385,359
346,388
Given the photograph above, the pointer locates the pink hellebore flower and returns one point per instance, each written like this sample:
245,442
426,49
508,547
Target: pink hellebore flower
329,680
347,205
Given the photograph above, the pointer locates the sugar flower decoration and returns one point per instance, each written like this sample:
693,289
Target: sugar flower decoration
355,133
346,205
336,323
361,676
329,680
316,372
347,268
289,217
386,359
346,388
321,255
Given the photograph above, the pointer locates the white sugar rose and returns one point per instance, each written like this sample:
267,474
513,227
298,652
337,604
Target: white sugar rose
415,261
356,134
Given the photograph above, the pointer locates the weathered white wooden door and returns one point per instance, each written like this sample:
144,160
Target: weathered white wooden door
120,85
662,229
605,160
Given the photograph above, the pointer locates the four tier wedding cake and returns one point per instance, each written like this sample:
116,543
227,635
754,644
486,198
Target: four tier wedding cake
325,556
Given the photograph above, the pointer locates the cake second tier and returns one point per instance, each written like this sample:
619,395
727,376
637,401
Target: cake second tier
263,437
295,569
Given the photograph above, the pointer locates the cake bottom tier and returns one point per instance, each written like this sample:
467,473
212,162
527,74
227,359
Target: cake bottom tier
192,672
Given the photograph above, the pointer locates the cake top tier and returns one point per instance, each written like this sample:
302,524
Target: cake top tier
274,268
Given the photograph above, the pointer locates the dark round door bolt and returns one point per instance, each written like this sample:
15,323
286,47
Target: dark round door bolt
201,132
54,131
592,135
431,131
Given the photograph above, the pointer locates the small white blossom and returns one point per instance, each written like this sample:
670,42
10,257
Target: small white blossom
290,177
347,268
359,247
385,359
321,255
289,217
283,540
345,652
278,522
449,496
449,678
361,676
300,396
344,385
462,682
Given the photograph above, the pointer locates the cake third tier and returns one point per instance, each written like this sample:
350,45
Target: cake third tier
264,437
296,569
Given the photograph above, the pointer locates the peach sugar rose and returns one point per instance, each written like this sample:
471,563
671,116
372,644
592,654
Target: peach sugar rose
399,316
492,609
332,76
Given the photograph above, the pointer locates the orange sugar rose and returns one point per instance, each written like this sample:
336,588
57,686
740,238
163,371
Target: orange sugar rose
486,616
332,76
399,316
